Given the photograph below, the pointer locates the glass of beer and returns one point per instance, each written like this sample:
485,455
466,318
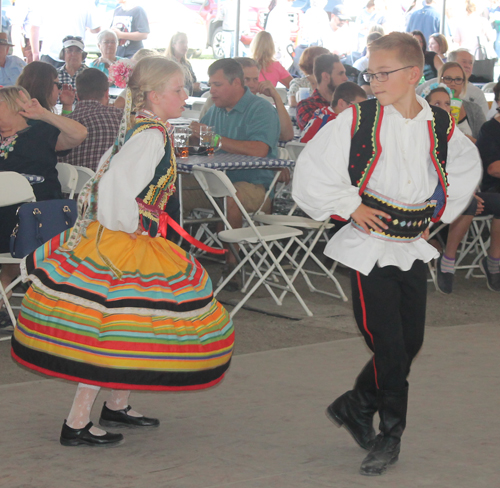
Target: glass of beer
181,141
206,139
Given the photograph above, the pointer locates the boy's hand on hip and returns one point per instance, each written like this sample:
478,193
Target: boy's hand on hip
367,217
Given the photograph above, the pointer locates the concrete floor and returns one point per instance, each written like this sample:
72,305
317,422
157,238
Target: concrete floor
264,426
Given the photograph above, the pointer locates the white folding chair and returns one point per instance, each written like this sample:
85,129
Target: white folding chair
313,230
472,243
14,189
68,177
84,175
294,148
283,93
259,241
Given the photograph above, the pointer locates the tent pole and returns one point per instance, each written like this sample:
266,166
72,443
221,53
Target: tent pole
443,18
237,33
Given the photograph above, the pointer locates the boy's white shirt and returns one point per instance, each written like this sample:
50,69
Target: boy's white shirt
404,172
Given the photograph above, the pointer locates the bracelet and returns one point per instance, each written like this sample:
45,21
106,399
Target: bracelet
66,112
216,140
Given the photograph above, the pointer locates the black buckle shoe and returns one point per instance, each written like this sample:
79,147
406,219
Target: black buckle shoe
121,418
384,452
80,437
344,412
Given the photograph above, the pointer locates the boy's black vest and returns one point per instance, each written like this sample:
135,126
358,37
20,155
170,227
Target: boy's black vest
366,148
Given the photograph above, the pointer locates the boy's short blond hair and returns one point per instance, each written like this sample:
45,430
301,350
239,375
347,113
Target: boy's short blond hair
406,47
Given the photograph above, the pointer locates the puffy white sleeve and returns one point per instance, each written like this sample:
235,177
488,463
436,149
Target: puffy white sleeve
465,171
130,171
321,182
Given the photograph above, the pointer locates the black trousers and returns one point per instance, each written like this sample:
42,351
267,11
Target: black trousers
389,308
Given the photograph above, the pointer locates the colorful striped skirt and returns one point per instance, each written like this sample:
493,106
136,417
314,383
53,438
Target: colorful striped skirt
157,327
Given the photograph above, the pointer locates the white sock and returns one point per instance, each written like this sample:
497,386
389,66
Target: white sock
118,400
79,415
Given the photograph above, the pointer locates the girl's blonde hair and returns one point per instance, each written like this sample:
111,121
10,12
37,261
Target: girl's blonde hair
151,74
263,49
10,95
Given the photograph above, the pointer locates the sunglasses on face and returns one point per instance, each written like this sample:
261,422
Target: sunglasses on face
58,84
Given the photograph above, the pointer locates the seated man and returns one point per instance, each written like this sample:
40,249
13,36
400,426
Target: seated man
473,94
345,95
246,124
101,120
329,73
10,66
251,72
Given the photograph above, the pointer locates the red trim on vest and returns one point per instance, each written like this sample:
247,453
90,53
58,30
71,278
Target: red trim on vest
354,120
377,156
438,171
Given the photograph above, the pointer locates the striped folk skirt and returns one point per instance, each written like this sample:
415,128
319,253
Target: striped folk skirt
156,327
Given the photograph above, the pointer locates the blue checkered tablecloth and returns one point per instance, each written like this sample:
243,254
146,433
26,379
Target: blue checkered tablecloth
229,161
33,179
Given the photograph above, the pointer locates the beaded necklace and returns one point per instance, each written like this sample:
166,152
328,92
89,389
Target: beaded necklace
7,145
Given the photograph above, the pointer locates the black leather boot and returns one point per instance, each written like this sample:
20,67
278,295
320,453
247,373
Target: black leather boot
385,450
355,409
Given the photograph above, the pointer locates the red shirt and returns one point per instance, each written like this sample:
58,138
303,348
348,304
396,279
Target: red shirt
307,107
321,117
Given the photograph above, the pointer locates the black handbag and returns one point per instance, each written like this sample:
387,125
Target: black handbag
484,67
39,222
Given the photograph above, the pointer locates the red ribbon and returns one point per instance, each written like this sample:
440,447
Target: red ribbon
166,220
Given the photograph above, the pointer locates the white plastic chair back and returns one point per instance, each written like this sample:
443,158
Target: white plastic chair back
294,148
84,175
283,153
14,188
283,94
488,88
68,177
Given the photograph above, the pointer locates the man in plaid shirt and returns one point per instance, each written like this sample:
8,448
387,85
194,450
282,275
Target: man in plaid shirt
101,120
329,73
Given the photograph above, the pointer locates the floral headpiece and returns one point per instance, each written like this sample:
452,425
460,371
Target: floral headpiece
425,93
120,72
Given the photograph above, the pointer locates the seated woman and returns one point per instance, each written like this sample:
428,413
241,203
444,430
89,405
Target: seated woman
432,61
176,51
439,45
471,116
107,42
306,64
31,135
263,52
73,55
41,81
486,202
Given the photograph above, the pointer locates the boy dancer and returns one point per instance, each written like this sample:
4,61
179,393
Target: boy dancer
379,164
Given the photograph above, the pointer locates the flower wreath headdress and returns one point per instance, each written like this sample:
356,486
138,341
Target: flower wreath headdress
433,86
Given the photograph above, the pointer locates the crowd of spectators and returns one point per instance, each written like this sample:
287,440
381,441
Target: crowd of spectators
244,106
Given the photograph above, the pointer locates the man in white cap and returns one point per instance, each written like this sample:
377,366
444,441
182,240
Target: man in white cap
10,66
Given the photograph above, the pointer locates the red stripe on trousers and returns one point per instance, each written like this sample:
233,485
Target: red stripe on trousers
365,326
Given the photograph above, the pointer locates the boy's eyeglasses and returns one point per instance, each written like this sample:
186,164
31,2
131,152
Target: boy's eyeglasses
382,75
449,79
58,84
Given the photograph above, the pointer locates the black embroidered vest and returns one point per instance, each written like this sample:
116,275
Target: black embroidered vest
366,147
153,199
